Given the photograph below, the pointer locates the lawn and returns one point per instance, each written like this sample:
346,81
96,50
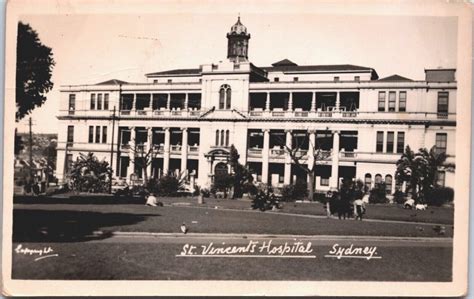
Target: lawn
139,261
75,222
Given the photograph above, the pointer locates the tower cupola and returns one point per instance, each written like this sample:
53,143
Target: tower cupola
238,42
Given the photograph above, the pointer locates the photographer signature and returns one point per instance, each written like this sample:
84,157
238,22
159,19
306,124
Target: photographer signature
42,253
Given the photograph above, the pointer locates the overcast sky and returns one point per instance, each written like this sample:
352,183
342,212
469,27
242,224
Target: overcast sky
95,48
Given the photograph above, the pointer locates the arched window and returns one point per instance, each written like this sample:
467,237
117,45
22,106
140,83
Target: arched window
388,184
227,138
217,137
378,179
222,137
225,95
228,98
368,181
221,98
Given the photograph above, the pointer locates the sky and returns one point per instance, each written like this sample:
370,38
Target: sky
97,47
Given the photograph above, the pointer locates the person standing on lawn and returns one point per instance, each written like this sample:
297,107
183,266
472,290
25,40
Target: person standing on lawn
359,208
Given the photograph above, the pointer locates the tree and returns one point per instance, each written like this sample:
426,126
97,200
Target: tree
142,158
19,145
88,174
419,170
241,176
34,66
50,152
314,155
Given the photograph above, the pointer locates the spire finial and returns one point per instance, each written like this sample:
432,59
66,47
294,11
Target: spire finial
238,17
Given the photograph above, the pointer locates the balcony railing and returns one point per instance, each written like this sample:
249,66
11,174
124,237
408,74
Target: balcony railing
277,152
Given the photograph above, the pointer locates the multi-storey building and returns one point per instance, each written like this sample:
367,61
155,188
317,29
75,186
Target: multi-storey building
189,118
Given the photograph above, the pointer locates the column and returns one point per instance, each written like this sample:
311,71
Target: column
267,102
184,151
338,100
265,155
166,156
186,101
210,172
150,105
311,148
290,102
149,147
313,102
289,144
333,183
168,102
134,102
131,153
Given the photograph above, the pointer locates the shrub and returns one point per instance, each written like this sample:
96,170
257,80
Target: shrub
169,185
399,197
320,197
378,194
294,192
206,193
439,196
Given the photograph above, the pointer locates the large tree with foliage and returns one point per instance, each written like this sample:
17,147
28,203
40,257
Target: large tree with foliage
34,66
420,170
241,176
88,174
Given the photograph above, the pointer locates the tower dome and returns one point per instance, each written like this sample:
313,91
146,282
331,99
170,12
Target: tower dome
238,42
238,28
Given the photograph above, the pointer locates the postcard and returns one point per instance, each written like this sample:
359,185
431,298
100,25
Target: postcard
236,148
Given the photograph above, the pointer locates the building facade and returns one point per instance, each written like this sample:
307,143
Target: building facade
187,119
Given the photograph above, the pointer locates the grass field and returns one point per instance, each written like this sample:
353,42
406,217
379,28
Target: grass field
138,261
68,222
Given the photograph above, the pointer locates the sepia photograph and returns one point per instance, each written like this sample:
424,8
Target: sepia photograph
202,149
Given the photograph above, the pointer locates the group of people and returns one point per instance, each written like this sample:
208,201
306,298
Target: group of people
347,203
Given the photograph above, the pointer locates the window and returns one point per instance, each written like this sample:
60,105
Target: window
402,101
217,137
324,181
295,79
390,141
222,137
104,134
92,101
99,101
170,81
400,142
388,184
225,95
391,100
379,147
97,134
276,79
441,142
72,102
381,100
155,81
378,179
441,178
106,101
368,181
443,102
227,138
91,134
357,78
70,134
336,79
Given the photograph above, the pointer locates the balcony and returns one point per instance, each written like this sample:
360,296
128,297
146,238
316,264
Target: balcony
255,152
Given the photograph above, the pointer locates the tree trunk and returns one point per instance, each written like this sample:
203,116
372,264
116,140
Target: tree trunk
145,175
311,186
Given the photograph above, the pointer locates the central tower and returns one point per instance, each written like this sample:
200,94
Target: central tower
238,43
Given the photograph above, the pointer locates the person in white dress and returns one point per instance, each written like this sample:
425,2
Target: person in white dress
151,200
